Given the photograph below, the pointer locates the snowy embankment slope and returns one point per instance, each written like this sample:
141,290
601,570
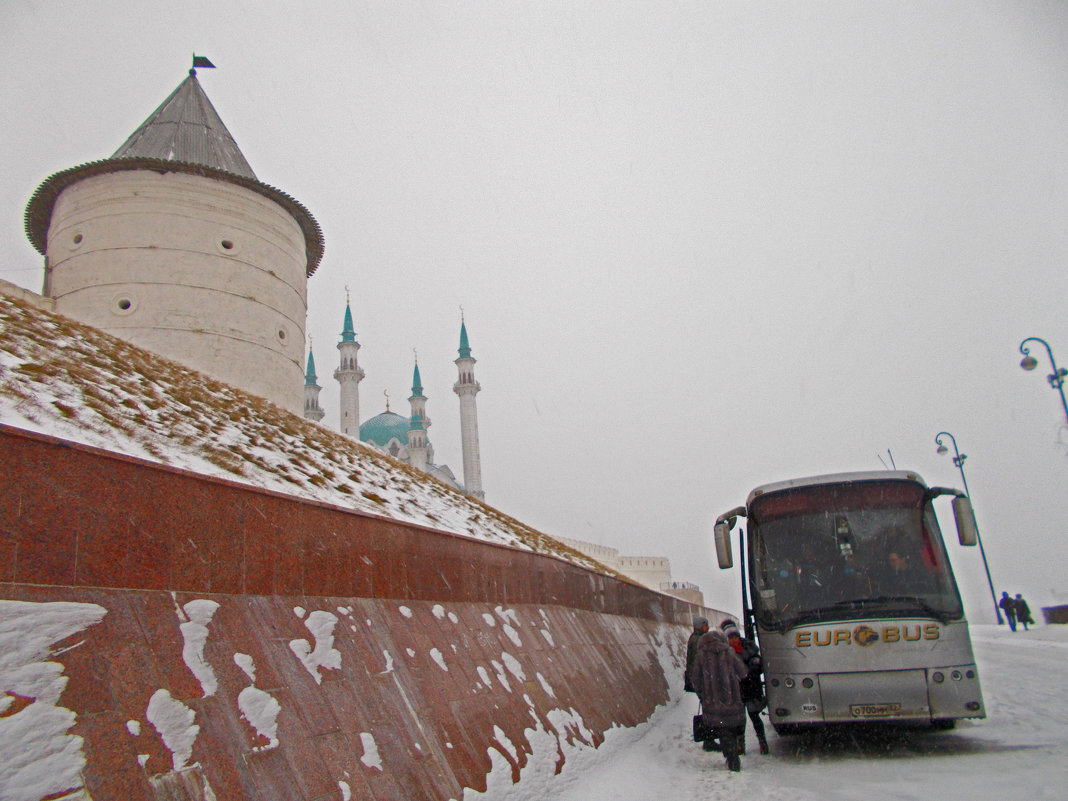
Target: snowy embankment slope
74,382
1019,752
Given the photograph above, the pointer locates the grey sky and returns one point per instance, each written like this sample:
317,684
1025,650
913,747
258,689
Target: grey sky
699,246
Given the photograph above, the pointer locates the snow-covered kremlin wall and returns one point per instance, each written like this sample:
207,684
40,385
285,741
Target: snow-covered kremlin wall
168,635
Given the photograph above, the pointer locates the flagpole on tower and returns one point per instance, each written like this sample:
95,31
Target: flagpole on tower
202,62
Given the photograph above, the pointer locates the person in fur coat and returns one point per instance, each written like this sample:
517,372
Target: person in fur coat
716,676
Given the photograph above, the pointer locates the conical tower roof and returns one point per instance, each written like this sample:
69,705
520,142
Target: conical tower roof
185,134
187,128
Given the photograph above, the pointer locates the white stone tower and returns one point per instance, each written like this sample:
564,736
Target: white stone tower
349,375
466,387
173,244
312,409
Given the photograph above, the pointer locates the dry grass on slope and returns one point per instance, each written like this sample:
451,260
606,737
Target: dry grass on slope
78,383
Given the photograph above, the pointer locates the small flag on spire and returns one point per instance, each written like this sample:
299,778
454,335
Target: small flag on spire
202,62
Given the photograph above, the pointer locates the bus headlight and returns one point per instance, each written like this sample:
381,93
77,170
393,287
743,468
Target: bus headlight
807,683
938,677
789,684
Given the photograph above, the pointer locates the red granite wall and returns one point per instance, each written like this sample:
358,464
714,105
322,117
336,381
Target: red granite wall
365,636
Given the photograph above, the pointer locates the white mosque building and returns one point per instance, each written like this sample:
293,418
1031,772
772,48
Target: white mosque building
403,438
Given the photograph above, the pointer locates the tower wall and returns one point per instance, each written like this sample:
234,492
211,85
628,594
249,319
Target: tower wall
205,272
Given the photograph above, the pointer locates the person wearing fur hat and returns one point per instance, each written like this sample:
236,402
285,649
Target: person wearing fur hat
752,687
716,675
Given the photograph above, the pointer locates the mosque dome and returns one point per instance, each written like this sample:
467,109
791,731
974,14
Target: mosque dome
381,428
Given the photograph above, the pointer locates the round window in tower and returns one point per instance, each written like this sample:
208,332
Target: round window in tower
123,305
227,246
76,240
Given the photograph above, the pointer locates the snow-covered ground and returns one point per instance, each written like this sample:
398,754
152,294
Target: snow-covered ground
1019,752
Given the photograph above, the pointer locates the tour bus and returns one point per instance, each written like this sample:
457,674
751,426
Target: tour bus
854,603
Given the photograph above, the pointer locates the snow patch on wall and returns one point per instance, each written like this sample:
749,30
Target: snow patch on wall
244,661
404,610
195,634
545,685
175,723
508,745
513,666
389,663
39,758
323,655
503,679
261,710
370,751
435,654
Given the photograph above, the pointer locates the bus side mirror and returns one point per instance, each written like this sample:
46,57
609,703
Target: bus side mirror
967,530
723,545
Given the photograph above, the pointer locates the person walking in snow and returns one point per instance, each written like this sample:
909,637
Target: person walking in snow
717,674
1008,606
1023,611
700,626
751,686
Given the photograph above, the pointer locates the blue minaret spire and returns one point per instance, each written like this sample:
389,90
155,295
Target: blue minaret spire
418,399
418,446
349,375
312,409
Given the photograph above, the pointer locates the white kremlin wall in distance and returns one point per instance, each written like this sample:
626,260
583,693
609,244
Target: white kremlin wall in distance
203,271
651,571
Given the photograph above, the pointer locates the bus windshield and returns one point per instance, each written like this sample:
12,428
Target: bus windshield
848,551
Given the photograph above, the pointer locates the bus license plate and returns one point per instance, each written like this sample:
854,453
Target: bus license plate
874,710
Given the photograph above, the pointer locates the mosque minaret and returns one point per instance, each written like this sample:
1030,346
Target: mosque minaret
466,387
349,375
312,409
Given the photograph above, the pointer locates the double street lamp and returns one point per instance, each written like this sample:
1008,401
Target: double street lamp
958,461
1056,378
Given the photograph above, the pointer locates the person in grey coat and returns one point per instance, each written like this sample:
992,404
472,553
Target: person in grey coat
716,676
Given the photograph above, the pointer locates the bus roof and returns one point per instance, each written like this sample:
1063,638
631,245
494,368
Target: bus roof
835,478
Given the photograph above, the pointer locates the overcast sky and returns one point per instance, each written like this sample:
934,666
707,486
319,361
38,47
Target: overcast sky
699,246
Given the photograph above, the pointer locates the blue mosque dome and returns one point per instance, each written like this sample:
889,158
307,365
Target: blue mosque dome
381,428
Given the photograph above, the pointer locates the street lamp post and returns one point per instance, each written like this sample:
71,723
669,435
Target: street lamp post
958,461
1056,378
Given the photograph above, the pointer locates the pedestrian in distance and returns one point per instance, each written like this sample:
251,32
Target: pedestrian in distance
1023,612
717,675
751,686
1008,606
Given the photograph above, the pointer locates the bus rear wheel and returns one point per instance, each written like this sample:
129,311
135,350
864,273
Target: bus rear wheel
943,724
